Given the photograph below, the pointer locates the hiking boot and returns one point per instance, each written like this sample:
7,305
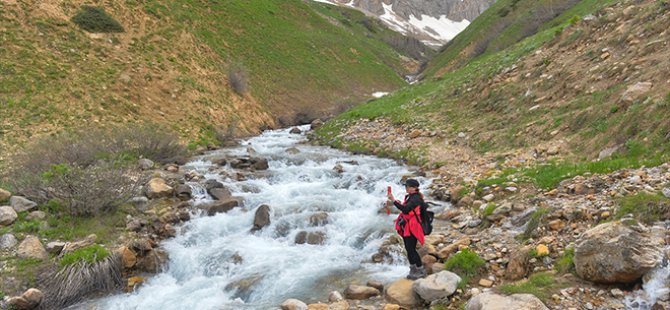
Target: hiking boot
412,272
420,272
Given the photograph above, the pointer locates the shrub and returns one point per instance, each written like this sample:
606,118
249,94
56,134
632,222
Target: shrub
238,79
647,208
465,263
95,19
566,263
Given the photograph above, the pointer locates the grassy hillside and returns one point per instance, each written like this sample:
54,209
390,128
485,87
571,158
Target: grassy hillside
577,86
194,66
505,23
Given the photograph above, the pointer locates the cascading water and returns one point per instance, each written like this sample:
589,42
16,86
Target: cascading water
655,288
217,263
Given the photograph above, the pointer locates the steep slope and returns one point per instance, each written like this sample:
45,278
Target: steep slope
432,22
593,85
176,64
504,24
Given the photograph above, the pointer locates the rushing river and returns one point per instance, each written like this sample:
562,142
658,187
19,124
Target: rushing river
217,263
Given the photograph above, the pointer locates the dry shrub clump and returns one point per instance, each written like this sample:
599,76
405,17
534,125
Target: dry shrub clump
90,171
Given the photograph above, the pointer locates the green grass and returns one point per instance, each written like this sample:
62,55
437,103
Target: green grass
488,210
542,285
88,255
645,207
566,263
466,264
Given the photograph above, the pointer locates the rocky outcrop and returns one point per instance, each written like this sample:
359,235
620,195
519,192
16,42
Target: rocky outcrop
492,301
616,252
436,286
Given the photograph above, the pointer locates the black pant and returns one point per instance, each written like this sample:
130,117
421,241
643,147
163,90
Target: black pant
412,254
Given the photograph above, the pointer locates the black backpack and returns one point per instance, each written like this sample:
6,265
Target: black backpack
426,220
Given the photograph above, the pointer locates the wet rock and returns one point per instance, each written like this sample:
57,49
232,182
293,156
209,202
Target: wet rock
22,204
151,261
145,164
158,188
616,252
31,247
295,131
292,151
310,237
293,304
436,286
55,247
260,164
338,168
318,219
219,193
262,218
4,195
335,296
401,293
359,292
492,301
184,192
7,216
7,241
27,301
212,184
220,206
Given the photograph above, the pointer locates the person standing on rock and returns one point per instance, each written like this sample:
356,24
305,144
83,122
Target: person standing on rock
409,228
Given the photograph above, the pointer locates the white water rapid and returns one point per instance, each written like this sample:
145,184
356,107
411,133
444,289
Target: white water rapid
217,263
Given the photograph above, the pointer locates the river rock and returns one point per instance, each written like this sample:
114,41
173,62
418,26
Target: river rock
158,188
152,261
493,301
260,163
295,131
317,123
315,238
292,150
22,204
220,206
401,292
7,216
293,304
262,218
212,184
318,306
7,241
4,195
128,257
184,192
220,193
359,292
340,305
27,301
335,296
436,286
31,247
318,219
376,284
145,164
55,247
616,252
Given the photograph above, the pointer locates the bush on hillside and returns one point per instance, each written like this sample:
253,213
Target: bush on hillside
95,19
238,79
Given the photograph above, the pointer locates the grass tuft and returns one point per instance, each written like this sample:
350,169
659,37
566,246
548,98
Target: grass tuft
466,264
542,285
88,255
566,263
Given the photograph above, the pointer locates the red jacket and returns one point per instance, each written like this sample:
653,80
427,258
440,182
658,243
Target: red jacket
411,214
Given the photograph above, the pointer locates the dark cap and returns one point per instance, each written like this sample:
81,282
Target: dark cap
412,183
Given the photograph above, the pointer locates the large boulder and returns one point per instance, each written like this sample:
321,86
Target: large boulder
493,301
7,216
27,301
4,195
360,292
616,252
31,247
7,241
262,218
293,304
21,204
436,286
220,206
400,292
158,188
